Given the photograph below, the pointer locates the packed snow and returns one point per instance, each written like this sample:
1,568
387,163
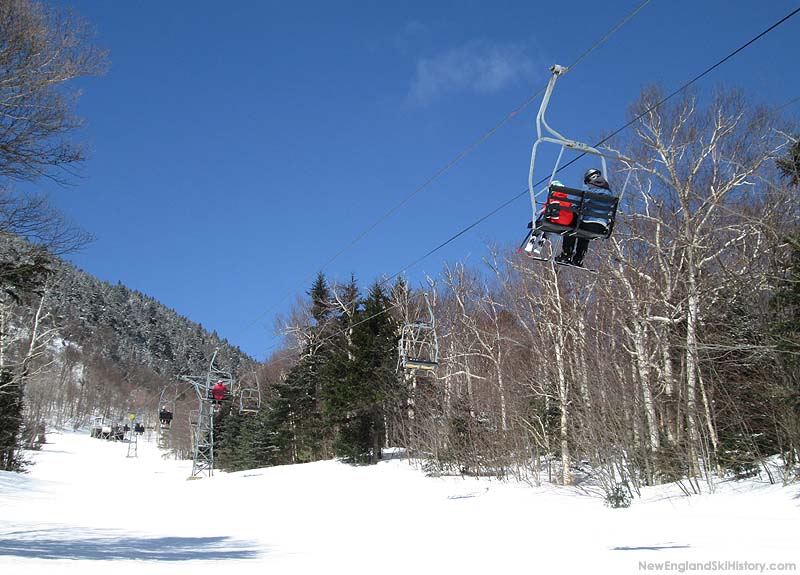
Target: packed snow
85,507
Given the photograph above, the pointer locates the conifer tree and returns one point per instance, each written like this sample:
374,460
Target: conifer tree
295,415
321,307
238,442
785,337
226,437
10,421
293,431
789,165
362,385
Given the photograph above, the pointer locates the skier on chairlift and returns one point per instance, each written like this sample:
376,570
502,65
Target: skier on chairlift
562,217
593,181
165,416
219,392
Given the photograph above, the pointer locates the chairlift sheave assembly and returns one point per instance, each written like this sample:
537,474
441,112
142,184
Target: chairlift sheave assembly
566,210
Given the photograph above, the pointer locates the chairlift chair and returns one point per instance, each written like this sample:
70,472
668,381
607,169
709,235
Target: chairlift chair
166,403
97,426
165,416
219,376
249,400
418,348
580,203
248,395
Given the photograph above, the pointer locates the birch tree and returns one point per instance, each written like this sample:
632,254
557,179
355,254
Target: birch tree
698,163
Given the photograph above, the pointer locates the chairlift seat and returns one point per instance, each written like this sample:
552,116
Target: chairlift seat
420,364
226,396
582,204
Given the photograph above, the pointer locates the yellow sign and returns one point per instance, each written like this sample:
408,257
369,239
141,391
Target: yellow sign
132,416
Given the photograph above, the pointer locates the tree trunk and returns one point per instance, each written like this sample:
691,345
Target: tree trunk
644,384
693,305
563,400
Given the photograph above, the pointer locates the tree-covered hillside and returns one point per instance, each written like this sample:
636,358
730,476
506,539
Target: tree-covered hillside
127,327
91,348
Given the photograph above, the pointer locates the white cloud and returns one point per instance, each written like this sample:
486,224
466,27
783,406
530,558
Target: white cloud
475,67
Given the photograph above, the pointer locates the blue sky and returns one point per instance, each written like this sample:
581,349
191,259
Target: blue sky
236,147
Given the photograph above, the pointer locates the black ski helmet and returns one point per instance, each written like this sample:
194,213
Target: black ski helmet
591,175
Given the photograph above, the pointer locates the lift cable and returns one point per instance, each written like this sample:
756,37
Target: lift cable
460,156
600,143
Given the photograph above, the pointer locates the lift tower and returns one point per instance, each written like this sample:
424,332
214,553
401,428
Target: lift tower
202,420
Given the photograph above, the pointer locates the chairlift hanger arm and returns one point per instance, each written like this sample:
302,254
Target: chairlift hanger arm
430,310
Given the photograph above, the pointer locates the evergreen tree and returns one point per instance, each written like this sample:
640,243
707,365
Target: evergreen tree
786,303
363,383
348,300
257,444
10,421
789,165
24,268
320,294
237,442
315,360
293,431
785,336
227,435
295,414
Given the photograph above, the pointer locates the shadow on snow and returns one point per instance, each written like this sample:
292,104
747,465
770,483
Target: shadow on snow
102,547
651,547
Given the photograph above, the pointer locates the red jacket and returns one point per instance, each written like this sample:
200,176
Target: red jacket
564,217
218,392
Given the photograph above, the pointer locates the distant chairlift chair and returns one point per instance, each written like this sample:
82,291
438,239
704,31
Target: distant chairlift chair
249,400
165,417
418,348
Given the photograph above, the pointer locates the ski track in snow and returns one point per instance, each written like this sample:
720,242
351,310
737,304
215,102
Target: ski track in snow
85,507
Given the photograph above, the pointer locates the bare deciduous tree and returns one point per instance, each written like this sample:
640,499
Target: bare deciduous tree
40,49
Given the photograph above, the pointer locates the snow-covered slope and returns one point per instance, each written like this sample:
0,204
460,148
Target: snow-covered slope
87,508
